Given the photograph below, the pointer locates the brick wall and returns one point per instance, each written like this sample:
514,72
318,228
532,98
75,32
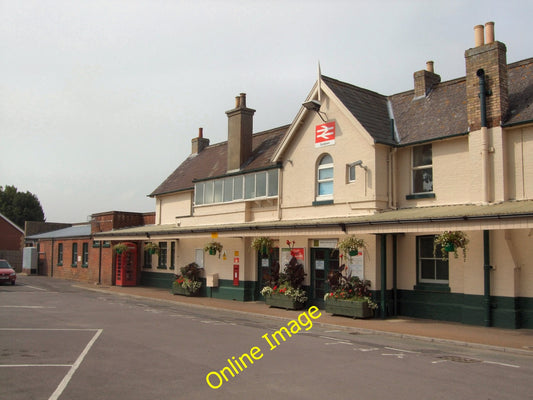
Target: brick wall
493,60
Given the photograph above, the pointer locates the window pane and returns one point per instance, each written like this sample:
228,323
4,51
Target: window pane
351,173
249,186
237,187
427,269
273,182
423,180
260,184
426,247
442,270
199,193
326,160
208,192
422,155
228,189
218,191
325,173
325,188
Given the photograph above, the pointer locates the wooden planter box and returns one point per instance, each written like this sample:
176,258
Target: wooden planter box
177,289
354,309
282,301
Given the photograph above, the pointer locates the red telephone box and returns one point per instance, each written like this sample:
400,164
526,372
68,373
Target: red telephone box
126,263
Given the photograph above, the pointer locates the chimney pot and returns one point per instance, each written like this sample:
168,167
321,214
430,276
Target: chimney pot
479,35
429,66
200,132
243,100
489,32
237,101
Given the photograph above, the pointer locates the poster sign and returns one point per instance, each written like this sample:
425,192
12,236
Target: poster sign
325,134
356,265
286,256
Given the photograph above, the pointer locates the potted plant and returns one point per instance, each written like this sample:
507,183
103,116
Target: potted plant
151,248
350,296
450,241
187,283
121,248
213,247
263,245
285,289
350,245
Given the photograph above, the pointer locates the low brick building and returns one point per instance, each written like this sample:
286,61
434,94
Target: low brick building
11,242
71,253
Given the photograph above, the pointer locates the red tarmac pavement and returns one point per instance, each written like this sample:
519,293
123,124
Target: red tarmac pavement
510,340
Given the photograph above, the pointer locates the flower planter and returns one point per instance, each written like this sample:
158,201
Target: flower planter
353,252
212,252
282,301
354,309
450,247
178,289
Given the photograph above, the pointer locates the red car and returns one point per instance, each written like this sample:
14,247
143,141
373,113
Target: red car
7,274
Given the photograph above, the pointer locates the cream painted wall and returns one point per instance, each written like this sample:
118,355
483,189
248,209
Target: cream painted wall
169,207
352,143
519,175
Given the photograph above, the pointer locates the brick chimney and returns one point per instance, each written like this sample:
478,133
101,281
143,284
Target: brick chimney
240,129
199,143
425,80
490,56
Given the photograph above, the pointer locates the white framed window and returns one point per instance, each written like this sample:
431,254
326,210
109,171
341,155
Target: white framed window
350,173
431,267
324,174
257,185
422,169
199,257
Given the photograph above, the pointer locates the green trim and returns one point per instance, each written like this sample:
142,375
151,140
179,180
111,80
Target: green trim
506,312
432,287
226,290
517,123
157,279
85,265
322,202
420,196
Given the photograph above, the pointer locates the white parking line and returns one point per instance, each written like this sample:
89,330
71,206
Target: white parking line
35,287
63,384
25,307
34,365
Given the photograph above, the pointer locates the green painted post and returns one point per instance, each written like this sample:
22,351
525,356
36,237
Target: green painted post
486,277
383,275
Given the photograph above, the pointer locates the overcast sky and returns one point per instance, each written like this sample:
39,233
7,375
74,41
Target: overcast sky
99,100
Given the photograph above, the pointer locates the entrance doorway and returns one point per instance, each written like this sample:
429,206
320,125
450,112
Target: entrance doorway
323,261
264,270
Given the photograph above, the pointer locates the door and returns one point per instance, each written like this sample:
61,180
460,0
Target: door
323,261
264,270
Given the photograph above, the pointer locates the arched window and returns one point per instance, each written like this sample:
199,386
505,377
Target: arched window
324,187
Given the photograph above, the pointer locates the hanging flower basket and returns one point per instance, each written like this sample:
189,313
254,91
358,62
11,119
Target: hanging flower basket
121,248
351,245
151,248
213,247
263,245
450,241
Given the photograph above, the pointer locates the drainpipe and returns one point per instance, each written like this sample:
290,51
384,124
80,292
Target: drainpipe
485,166
383,274
486,277
52,261
395,274
100,262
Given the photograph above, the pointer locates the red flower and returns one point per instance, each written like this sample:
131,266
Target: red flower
275,287
288,242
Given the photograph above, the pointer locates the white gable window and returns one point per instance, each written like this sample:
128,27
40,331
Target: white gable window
324,187
422,170
252,186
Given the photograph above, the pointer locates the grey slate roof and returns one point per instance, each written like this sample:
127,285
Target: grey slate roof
212,161
70,232
442,113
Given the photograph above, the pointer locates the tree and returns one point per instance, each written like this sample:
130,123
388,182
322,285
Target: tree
20,207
